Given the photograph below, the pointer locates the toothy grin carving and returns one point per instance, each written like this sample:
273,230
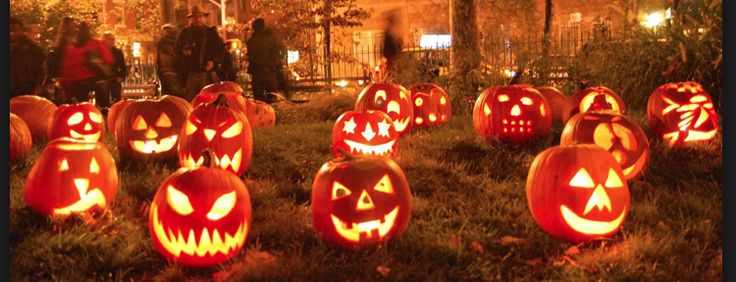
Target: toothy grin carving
367,229
87,137
224,162
151,146
378,150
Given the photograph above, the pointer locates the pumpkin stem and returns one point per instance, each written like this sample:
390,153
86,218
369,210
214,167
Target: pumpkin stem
209,159
516,77
221,100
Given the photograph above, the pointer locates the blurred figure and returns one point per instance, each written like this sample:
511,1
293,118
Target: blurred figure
26,61
81,65
168,66
391,43
199,48
66,32
119,68
264,61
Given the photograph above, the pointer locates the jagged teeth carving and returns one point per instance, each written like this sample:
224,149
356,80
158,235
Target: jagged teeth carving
378,150
225,161
210,242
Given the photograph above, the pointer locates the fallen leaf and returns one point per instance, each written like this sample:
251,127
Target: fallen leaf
383,270
476,247
454,241
511,240
572,251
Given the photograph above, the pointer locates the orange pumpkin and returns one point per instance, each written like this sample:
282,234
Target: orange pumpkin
71,176
389,98
231,90
364,134
360,202
114,112
79,121
37,112
200,216
577,192
20,138
597,98
514,113
558,102
260,114
682,113
435,109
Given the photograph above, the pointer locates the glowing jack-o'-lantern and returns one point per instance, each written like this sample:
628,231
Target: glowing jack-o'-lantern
71,176
558,102
434,110
200,216
358,202
577,192
390,98
79,121
226,132
681,113
621,137
37,112
516,113
20,137
231,90
597,98
149,128
260,114
365,133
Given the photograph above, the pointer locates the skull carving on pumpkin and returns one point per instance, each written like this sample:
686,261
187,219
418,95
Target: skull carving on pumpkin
200,216
360,201
365,133
516,113
390,98
71,176
682,113
577,192
79,121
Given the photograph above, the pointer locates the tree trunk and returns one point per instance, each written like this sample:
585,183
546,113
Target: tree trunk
326,26
547,23
464,54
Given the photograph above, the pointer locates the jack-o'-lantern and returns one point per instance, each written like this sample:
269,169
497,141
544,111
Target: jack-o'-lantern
558,102
37,112
231,90
577,192
114,112
597,98
149,128
390,98
515,113
79,121
365,133
440,101
260,114
200,216
359,202
71,176
615,133
226,132
681,113
425,111
20,138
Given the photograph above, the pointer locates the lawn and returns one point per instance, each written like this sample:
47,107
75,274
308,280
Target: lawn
469,217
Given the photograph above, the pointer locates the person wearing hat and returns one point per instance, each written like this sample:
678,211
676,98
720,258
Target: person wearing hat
199,48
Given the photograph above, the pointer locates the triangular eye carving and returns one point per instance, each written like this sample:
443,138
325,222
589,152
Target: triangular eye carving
613,180
384,185
94,167
582,179
139,123
163,121
339,191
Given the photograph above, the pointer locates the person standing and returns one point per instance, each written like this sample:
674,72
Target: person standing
79,73
199,48
26,61
391,44
264,61
66,33
168,66
119,68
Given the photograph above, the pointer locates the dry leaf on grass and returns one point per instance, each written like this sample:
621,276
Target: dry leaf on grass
454,241
383,270
511,240
476,247
572,251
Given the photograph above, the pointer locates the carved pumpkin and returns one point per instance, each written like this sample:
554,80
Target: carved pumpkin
440,102
226,132
577,192
558,102
79,121
515,113
365,133
389,98
149,128
20,138
260,114
114,112
37,112
615,133
200,216
358,202
597,98
71,176
681,113
231,90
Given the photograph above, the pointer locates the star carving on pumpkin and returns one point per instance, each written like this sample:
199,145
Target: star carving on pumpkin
349,126
383,128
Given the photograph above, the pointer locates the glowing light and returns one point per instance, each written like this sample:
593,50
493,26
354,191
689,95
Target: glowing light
654,19
342,83
136,49
352,232
222,206
587,226
292,56
582,179
434,41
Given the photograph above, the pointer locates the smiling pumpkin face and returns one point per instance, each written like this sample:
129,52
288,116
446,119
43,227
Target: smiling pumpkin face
360,202
150,128
392,99
364,134
577,192
682,113
79,121
200,216
71,176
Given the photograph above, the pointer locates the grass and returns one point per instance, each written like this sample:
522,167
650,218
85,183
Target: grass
470,220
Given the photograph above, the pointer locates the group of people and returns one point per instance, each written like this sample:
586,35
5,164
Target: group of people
79,67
